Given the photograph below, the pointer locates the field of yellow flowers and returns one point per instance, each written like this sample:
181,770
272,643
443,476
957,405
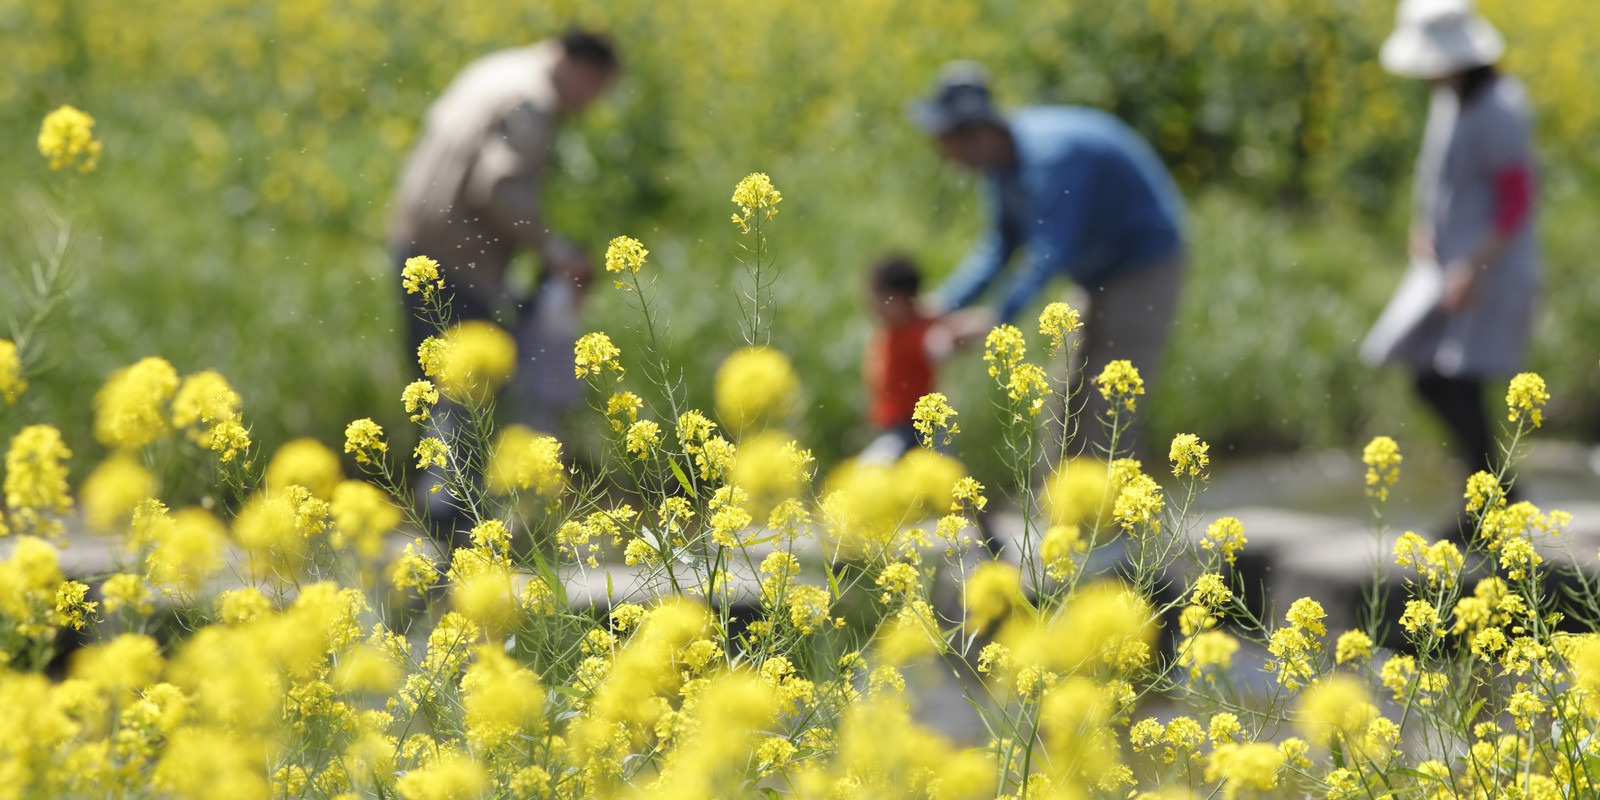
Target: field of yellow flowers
255,146
303,633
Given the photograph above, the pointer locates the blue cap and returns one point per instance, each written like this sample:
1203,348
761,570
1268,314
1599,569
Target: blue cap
960,95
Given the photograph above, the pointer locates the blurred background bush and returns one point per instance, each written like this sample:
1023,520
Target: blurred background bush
238,215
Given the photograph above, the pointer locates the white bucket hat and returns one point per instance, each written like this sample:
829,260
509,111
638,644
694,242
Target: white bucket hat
1439,38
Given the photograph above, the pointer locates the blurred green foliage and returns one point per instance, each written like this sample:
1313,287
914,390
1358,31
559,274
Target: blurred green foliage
237,218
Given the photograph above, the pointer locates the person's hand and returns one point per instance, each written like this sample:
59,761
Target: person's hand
1460,282
1422,244
968,326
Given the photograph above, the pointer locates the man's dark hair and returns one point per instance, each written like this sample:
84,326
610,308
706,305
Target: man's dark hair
896,275
590,47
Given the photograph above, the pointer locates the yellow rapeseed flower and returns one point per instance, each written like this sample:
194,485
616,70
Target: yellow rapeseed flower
623,409
1027,387
207,406
73,608
1307,614
1057,322
432,355
500,700
421,274
187,552
479,357
525,460
642,438
754,387
1003,350
419,397
1139,504
364,439
130,409
625,254
1484,492
1210,591
1189,455
1244,768
931,415
113,490
1382,457
36,480
362,515
991,593
755,194
447,777
431,451
593,353
1209,650
67,137
122,665
1226,535
305,462
1119,384
1352,646
12,384
1333,707
413,570
1525,397
1079,492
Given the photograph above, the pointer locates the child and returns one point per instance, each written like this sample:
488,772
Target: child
900,357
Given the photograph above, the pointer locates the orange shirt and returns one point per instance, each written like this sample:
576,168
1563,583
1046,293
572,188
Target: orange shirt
899,371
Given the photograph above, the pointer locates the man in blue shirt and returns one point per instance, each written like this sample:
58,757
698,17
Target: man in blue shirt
1086,198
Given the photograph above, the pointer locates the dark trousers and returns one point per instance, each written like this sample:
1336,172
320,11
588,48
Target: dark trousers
1458,402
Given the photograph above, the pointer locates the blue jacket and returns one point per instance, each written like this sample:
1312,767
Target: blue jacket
1088,198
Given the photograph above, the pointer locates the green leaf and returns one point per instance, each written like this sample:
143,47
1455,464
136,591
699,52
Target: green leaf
683,480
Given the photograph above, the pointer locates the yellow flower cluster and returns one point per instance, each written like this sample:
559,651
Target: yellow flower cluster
67,138
1057,322
1225,535
593,353
209,408
36,480
1119,384
1440,563
304,462
1139,504
132,409
1525,398
131,406
363,515
478,358
12,384
1295,645
1003,349
753,195
526,461
643,437
933,415
421,274
364,439
113,490
755,387
625,254
1382,457
1189,455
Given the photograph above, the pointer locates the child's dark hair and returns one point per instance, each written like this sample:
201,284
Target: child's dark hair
591,47
896,275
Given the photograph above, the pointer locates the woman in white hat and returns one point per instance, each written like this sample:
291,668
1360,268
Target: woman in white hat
1464,312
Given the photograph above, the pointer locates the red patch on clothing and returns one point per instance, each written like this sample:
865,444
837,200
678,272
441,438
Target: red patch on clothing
904,372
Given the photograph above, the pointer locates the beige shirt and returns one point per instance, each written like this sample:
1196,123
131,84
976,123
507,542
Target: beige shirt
469,195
